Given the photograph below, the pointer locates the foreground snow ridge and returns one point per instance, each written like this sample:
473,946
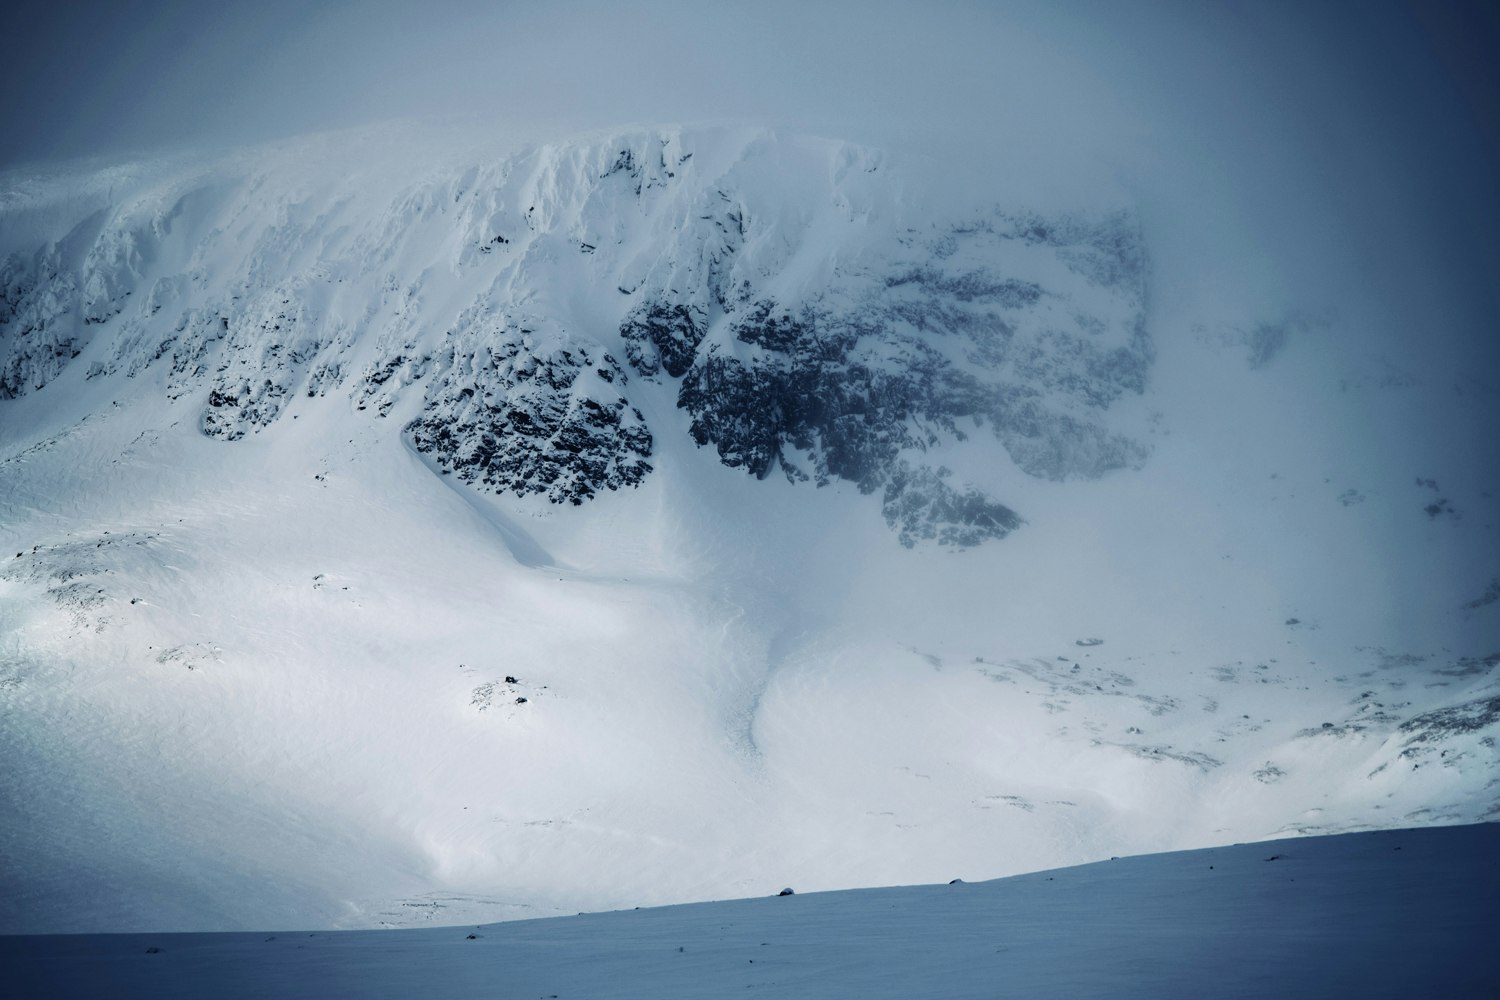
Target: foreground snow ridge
1389,914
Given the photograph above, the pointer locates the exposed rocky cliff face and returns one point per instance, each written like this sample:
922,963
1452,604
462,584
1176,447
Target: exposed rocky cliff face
504,418
812,323
857,382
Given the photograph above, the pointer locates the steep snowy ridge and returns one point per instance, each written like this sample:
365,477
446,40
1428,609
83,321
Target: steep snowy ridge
817,323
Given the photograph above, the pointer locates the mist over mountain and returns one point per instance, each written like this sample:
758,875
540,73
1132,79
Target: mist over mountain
702,451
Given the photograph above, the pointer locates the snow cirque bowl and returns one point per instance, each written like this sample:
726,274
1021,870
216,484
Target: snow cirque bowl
395,532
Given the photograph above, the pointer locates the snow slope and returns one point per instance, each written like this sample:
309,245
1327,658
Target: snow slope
361,570
1392,914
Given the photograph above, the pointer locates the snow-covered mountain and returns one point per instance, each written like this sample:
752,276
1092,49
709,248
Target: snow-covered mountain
403,533
811,322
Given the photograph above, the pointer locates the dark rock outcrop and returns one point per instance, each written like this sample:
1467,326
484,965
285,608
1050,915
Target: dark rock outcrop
513,421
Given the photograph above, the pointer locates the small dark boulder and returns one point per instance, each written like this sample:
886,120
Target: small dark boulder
786,892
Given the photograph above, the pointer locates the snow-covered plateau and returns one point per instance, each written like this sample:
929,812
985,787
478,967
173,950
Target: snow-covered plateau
393,536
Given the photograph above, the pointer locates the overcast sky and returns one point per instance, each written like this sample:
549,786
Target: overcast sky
1337,129
86,76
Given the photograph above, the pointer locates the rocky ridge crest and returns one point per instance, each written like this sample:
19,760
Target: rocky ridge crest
808,320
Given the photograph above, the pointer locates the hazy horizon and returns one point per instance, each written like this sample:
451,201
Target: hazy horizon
1313,132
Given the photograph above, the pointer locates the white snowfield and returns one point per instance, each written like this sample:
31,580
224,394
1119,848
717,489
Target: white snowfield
292,633
1400,914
